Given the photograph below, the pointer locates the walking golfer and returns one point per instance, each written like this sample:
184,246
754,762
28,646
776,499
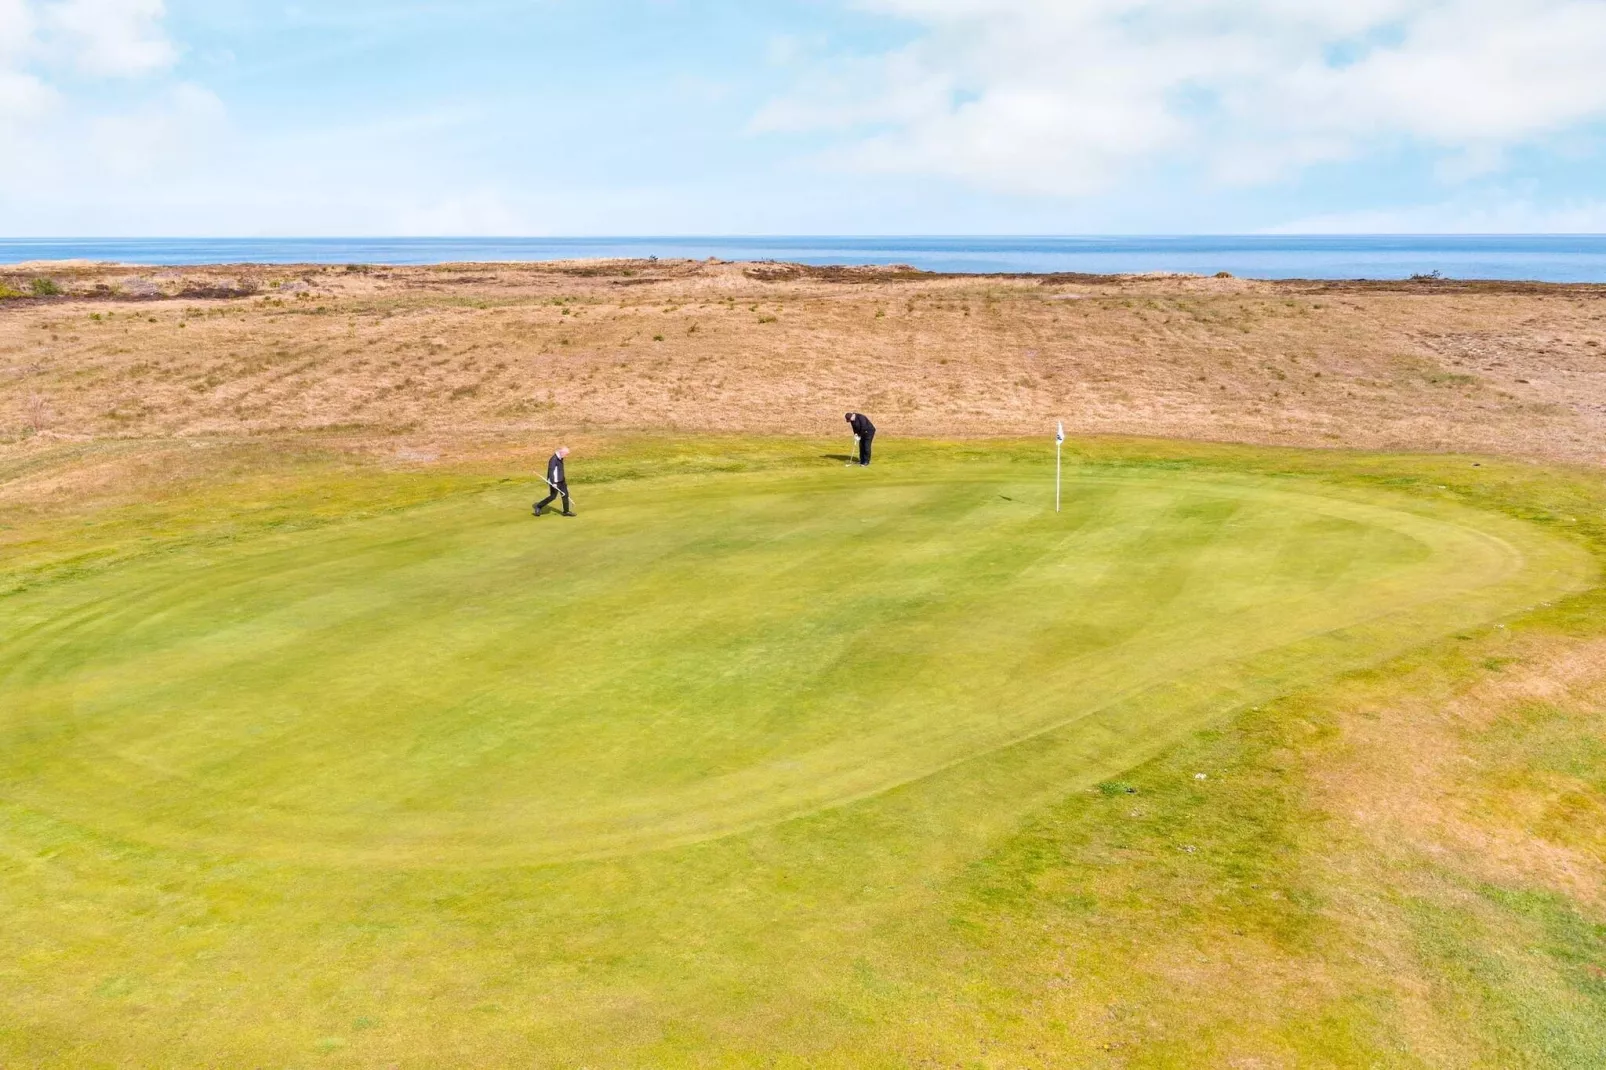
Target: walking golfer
558,480
865,430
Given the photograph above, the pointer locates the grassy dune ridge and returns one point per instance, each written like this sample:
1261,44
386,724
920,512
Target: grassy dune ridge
435,353
215,853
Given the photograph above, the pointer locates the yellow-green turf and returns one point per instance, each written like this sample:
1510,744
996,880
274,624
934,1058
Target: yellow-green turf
406,775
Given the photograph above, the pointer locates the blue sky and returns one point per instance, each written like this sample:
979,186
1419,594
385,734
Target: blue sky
562,117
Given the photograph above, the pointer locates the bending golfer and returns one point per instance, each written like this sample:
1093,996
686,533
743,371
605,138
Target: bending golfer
864,431
558,480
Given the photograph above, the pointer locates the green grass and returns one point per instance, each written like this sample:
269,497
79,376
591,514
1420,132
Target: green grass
1498,951
760,760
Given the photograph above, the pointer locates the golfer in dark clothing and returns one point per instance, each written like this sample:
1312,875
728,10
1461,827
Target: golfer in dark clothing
865,430
558,480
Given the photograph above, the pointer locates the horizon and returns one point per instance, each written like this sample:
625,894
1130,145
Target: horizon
1538,258
831,235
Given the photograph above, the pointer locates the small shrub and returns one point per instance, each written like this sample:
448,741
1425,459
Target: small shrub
45,288
37,413
7,292
1223,274
657,338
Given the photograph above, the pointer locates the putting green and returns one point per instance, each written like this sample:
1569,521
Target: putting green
459,684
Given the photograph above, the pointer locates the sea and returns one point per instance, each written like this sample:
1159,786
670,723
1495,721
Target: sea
1546,258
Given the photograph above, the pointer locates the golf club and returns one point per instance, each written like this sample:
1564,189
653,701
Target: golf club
568,500
854,456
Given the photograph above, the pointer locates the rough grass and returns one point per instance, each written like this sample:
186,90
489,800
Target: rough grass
722,347
1389,861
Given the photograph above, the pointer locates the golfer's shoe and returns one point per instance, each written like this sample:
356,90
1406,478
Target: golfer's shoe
568,514
539,510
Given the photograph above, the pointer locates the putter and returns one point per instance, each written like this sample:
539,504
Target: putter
854,456
556,491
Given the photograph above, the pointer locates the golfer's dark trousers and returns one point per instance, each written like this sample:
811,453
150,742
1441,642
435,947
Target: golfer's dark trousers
865,441
562,488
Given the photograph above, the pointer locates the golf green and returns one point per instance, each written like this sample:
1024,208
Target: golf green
461,683
458,686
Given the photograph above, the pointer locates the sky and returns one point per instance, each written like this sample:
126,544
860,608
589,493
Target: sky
797,117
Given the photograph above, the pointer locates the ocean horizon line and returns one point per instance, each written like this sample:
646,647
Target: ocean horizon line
1527,257
895,236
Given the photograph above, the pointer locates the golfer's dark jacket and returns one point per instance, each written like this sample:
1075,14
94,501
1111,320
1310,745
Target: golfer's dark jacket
554,472
861,425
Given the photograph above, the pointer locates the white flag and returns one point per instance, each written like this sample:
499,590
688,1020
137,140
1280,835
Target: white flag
1059,436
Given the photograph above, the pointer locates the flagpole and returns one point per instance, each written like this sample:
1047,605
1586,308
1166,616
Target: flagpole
1059,442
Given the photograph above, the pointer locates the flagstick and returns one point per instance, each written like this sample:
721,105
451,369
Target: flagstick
1059,443
1057,446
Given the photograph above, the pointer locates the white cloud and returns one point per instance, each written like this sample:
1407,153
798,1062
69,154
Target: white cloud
98,38
23,98
1067,96
110,38
23,95
16,28
165,131
61,133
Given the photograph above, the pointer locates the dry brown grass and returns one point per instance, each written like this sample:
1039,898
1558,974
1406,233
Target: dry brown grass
497,349
1414,775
